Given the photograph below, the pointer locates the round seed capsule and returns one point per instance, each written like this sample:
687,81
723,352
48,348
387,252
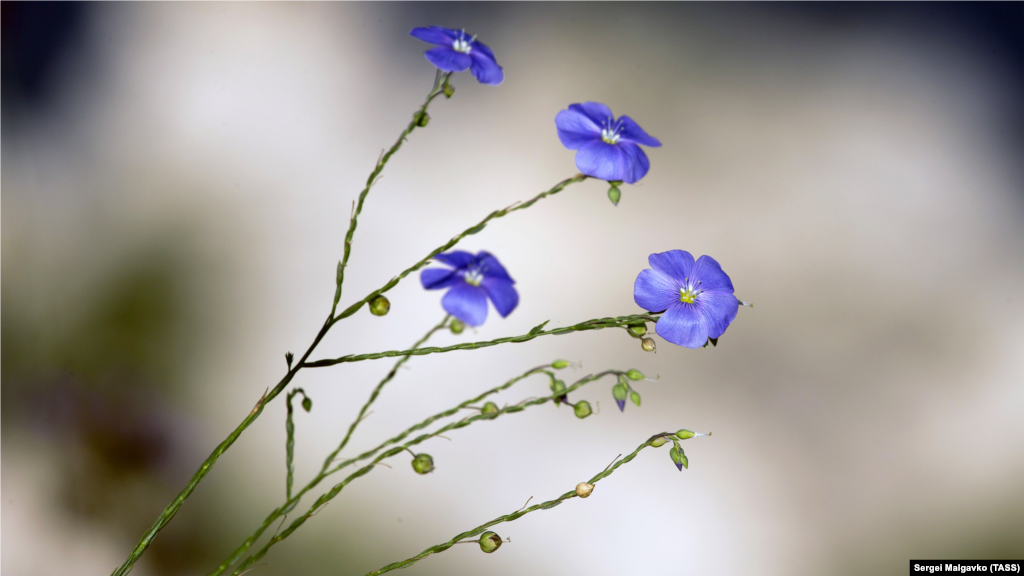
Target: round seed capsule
423,464
489,408
582,409
379,306
489,542
648,345
456,326
583,489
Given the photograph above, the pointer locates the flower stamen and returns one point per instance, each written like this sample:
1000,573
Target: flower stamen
473,277
610,132
462,45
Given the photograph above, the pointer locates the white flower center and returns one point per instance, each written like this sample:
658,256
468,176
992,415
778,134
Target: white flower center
473,277
610,131
463,45
689,292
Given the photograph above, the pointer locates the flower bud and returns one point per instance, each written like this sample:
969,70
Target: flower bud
379,306
422,119
637,329
634,396
456,326
614,194
558,389
489,542
659,442
559,364
634,374
489,408
582,409
679,458
619,392
583,489
423,464
288,357
307,404
648,345
449,90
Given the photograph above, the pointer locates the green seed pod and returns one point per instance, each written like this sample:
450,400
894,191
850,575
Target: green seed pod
685,434
634,396
634,374
423,464
614,194
637,329
449,90
489,542
307,404
557,387
456,326
559,364
379,306
582,409
489,408
619,392
659,442
648,345
422,119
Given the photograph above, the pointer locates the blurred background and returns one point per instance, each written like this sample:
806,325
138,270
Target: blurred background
177,180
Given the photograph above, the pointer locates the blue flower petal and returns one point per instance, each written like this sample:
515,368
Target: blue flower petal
467,303
603,160
436,278
709,272
655,291
683,325
491,268
576,129
637,162
675,263
481,47
502,294
632,131
433,35
455,258
594,110
718,310
447,59
484,68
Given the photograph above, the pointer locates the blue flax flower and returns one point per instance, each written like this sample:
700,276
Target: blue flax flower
608,148
697,297
455,52
473,280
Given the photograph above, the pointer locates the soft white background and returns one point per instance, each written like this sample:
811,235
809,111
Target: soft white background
856,182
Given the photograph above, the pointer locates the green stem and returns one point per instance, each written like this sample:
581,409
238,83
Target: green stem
207,465
337,488
508,517
438,89
289,505
596,324
289,445
455,240
376,392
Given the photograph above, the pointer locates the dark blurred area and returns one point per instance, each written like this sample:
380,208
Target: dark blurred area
140,298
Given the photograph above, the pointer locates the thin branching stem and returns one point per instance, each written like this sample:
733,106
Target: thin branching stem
455,240
508,517
376,392
207,465
462,423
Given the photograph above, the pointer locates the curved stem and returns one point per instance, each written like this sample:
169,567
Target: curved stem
438,89
336,489
376,392
455,240
207,465
507,517
596,324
